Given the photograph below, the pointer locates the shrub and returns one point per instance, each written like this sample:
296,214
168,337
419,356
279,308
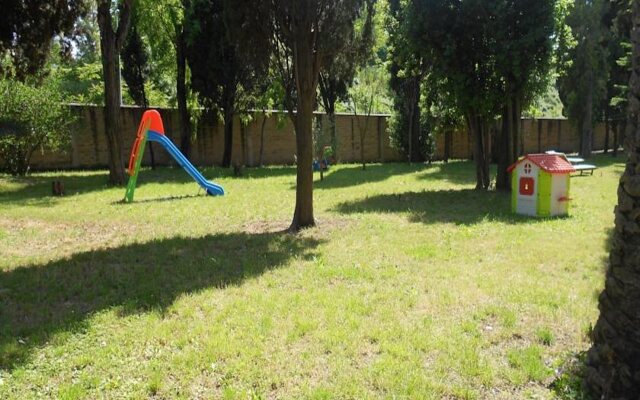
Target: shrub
31,117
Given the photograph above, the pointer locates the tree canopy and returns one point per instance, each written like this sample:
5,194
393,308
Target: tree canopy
28,26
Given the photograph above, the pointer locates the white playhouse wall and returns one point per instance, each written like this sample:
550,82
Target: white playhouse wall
527,205
559,188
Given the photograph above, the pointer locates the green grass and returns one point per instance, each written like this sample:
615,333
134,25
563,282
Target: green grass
413,285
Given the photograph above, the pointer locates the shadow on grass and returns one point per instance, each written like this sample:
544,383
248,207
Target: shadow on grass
466,206
353,175
36,189
457,172
40,300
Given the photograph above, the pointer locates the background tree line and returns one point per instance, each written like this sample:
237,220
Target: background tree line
435,65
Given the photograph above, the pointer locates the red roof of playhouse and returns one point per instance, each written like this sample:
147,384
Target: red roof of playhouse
552,163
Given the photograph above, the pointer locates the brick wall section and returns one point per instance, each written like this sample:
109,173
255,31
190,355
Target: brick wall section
89,150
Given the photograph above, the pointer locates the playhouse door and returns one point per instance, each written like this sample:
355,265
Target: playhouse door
527,196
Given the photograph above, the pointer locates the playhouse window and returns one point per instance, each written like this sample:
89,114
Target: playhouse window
526,186
527,168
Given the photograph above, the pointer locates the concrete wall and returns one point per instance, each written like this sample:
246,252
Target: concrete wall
89,149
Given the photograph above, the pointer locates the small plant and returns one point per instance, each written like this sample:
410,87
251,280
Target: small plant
569,377
545,336
31,117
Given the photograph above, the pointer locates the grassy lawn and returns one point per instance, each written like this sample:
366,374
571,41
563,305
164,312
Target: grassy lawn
413,286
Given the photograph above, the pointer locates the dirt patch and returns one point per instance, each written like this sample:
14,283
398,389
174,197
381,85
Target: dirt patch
323,226
28,238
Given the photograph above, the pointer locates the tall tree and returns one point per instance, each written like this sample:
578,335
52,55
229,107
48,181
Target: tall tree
112,37
614,358
135,65
338,70
135,68
225,63
460,40
618,20
523,56
27,28
307,33
168,52
407,69
582,67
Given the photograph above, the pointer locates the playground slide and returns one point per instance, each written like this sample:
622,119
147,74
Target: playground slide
152,129
211,188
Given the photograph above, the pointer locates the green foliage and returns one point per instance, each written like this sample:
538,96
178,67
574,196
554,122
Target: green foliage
31,117
582,59
27,29
135,62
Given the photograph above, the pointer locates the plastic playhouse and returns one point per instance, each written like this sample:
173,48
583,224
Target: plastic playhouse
540,185
151,129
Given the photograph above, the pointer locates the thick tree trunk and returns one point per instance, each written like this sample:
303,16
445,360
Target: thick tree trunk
306,64
303,214
181,95
110,44
613,364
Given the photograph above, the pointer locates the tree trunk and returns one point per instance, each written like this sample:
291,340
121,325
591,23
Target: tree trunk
306,64
334,134
505,147
411,111
181,95
228,137
303,214
607,128
478,129
110,45
616,135
613,362
517,144
586,135
447,145
415,154
264,122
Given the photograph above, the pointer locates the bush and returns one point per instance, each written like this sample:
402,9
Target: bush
31,117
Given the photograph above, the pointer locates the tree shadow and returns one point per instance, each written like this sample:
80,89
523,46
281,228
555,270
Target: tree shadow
458,172
461,207
38,301
353,175
36,189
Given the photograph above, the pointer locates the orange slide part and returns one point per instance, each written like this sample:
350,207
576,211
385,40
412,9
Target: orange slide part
151,120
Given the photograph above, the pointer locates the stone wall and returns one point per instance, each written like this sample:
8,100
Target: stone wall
89,150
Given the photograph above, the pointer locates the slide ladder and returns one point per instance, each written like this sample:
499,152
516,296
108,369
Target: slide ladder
151,129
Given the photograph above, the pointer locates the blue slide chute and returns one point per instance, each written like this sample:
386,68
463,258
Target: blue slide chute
211,188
